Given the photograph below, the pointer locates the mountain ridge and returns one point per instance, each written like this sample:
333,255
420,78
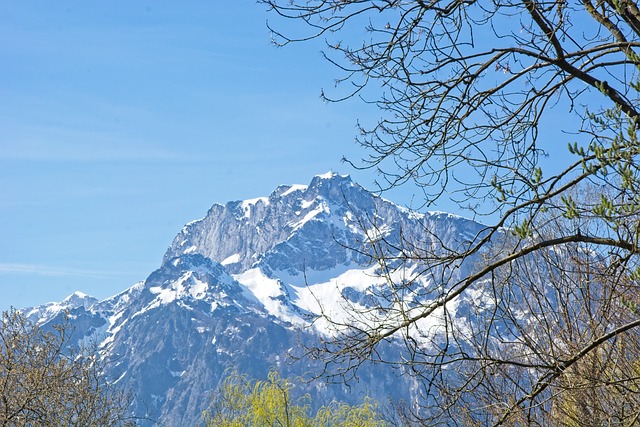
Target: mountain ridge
242,287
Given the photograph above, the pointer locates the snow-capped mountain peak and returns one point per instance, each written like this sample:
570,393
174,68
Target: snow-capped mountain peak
49,311
235,234
241,287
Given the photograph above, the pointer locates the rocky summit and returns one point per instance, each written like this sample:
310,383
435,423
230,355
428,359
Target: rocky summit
240,289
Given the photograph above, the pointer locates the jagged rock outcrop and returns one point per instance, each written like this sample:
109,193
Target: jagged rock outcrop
237,289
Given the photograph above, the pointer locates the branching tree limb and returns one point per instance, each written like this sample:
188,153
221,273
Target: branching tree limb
551,287
45,382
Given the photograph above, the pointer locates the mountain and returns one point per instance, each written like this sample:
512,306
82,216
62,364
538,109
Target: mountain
240,289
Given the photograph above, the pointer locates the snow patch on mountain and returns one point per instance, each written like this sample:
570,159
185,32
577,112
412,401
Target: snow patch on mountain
231,259
249,205
294,188
186,285
272,294
330,175
319,209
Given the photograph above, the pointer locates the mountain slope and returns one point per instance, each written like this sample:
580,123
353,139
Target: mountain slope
238,289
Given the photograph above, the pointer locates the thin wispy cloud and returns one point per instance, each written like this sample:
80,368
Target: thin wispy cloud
51,271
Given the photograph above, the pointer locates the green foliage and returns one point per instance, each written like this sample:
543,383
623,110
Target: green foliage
522,230
341,414
241,402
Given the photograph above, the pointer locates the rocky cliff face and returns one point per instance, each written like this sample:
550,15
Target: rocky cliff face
238,288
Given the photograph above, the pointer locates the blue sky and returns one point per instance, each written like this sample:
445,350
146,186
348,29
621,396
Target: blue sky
121,121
